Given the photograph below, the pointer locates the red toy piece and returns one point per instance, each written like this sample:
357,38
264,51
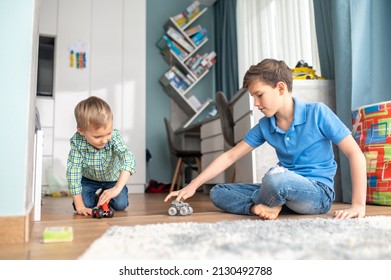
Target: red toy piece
102,211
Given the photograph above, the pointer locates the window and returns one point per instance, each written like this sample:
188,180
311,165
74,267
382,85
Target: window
279,29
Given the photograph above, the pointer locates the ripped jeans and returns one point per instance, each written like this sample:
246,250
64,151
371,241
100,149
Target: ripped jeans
279,187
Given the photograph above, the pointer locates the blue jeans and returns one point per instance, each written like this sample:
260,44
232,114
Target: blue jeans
90,199
279,187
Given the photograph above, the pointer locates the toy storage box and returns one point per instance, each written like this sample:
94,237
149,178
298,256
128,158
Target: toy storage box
371,130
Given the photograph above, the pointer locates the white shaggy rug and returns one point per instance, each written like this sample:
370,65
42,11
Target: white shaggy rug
308,239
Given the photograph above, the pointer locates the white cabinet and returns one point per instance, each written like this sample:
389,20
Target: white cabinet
48,17
243,120
252,167
212,146
133,119
70,84
45,106
115,71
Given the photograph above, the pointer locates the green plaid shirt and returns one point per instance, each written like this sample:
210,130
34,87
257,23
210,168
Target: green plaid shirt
104,165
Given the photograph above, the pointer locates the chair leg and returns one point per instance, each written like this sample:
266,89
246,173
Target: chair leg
177,170
198,162
180,176
180,179
233,179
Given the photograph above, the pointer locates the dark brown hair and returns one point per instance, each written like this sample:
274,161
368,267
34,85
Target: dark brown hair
270,72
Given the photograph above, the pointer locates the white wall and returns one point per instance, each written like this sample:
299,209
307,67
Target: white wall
114,33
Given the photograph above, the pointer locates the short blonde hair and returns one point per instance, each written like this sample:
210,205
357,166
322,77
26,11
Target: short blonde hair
93,112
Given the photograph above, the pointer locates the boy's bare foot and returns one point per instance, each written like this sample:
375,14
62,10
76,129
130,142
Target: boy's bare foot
266,212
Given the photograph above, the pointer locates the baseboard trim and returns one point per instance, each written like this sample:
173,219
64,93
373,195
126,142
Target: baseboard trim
136,188
16,229
12,229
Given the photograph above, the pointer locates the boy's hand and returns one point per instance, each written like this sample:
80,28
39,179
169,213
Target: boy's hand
107,195
182,194
352,212
80,207
85,211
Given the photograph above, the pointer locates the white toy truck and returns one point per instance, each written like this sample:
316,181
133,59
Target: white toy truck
180,208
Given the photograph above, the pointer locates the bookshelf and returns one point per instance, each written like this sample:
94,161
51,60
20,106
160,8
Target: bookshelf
180,46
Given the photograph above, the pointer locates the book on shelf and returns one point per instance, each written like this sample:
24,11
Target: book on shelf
194,102
197,62
161,44
193,30
193,7
193,10
199,70
181,75
170,78
180,19
200,63
209,60
178,37
192,60
198,37
179,16
166,79
189,14
190,77
184,53
174,48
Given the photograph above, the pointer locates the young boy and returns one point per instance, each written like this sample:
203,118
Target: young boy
98,159
301,134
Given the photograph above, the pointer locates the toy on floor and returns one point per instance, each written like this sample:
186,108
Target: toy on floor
102,211
180,208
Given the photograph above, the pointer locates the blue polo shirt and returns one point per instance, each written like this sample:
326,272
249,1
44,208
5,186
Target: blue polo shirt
306,147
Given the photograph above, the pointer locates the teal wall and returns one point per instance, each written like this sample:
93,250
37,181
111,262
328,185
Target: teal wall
158,102
16,33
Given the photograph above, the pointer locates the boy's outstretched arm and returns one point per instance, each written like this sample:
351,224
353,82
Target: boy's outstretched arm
217,166
359,179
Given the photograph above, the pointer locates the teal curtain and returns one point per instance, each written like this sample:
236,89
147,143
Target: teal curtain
324,34
354,38
226,47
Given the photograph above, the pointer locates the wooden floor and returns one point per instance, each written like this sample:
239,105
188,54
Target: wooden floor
143,209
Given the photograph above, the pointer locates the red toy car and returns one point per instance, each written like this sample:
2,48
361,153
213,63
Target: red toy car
102,211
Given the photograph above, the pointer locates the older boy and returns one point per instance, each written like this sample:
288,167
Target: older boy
301,134
98,160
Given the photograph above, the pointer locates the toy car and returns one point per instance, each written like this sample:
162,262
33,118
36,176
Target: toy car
102,211
180,208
